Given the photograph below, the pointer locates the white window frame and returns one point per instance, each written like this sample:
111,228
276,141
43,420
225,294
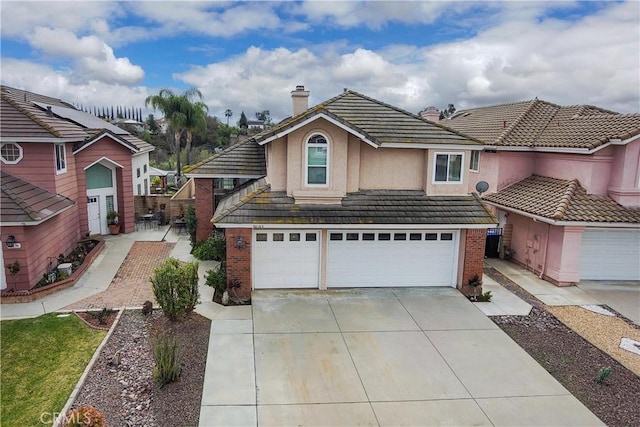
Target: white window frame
20,154
477,168
448,154
56,148
308,145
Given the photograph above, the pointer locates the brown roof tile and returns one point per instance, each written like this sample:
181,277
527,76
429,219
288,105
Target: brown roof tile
379,122
244,159
542,124
256,204
562,200
23,202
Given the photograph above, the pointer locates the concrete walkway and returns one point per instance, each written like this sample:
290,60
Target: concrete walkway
420,356
624,297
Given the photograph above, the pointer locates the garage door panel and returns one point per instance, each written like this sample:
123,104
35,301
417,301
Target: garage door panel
377,263
610,255
286,263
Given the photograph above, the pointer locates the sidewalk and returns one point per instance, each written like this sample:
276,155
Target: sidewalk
623,297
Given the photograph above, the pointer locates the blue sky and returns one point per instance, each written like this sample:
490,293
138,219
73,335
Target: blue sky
248,56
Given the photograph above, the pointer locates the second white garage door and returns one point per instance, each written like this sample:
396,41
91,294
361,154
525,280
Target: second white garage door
610,255
286,259
391,258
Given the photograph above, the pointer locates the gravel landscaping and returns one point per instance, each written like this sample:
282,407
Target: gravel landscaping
126,392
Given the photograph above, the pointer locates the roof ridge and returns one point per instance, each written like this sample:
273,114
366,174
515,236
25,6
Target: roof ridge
29,114
516,122
565,200
242,200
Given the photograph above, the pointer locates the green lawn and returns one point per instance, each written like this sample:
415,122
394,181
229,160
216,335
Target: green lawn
41,361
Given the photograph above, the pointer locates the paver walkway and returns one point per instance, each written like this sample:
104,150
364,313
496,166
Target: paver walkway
131,286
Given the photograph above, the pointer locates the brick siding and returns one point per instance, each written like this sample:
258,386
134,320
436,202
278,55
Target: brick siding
205,206
239,260
475,241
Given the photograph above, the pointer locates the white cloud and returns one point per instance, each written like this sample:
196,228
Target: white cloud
62,84
94,59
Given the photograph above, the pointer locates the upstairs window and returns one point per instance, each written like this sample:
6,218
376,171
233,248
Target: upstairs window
317,161
10,153
61,158
448,167
474,165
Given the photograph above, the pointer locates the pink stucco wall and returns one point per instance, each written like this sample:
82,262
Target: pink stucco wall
489,168
513,167
625,174
592,171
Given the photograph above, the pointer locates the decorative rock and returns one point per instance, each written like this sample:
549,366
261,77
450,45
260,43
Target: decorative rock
630,345
597,309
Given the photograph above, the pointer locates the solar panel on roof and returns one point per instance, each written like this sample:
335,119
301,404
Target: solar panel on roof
85,120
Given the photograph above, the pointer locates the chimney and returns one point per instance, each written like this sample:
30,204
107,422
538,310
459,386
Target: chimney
300,99
430,113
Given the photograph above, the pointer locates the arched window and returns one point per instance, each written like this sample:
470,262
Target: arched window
317,160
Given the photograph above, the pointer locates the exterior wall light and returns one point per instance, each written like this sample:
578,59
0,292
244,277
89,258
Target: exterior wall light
240,243
11,241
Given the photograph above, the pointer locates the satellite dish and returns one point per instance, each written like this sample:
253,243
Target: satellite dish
482,186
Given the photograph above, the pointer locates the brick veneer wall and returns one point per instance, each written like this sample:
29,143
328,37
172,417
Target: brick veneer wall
475,241
205,207
239,260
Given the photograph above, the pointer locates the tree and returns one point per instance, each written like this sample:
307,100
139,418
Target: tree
447,112
195,121
183,115
152,125
228,114
242,123
263,115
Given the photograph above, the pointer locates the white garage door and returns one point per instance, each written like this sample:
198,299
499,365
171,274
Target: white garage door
610,255
391,258
286,259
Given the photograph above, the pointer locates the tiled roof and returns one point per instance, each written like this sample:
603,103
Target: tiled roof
26,203
23,118
562,200
381,123
542,124
256,204
242,159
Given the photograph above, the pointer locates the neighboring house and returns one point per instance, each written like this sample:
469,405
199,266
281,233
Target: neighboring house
255,124
357,193
63,170
564,182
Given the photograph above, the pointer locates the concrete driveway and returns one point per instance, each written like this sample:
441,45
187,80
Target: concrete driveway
375,357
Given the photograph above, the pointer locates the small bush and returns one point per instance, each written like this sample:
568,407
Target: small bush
487,295
212,249
85,416
217,279
165,354
102,315
175,286
603,374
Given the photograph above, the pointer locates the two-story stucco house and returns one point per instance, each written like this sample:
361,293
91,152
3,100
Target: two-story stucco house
63,170
357,193
564,182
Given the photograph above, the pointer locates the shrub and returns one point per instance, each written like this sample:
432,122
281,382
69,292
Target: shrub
191,222
85,416
487,296
217,278
165,354
102,315
603,374
175,286
212,249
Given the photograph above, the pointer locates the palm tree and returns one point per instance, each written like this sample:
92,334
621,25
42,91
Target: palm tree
183,115
228,115
195,121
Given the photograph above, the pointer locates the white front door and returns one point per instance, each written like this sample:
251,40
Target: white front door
286,259
93,213
392,258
